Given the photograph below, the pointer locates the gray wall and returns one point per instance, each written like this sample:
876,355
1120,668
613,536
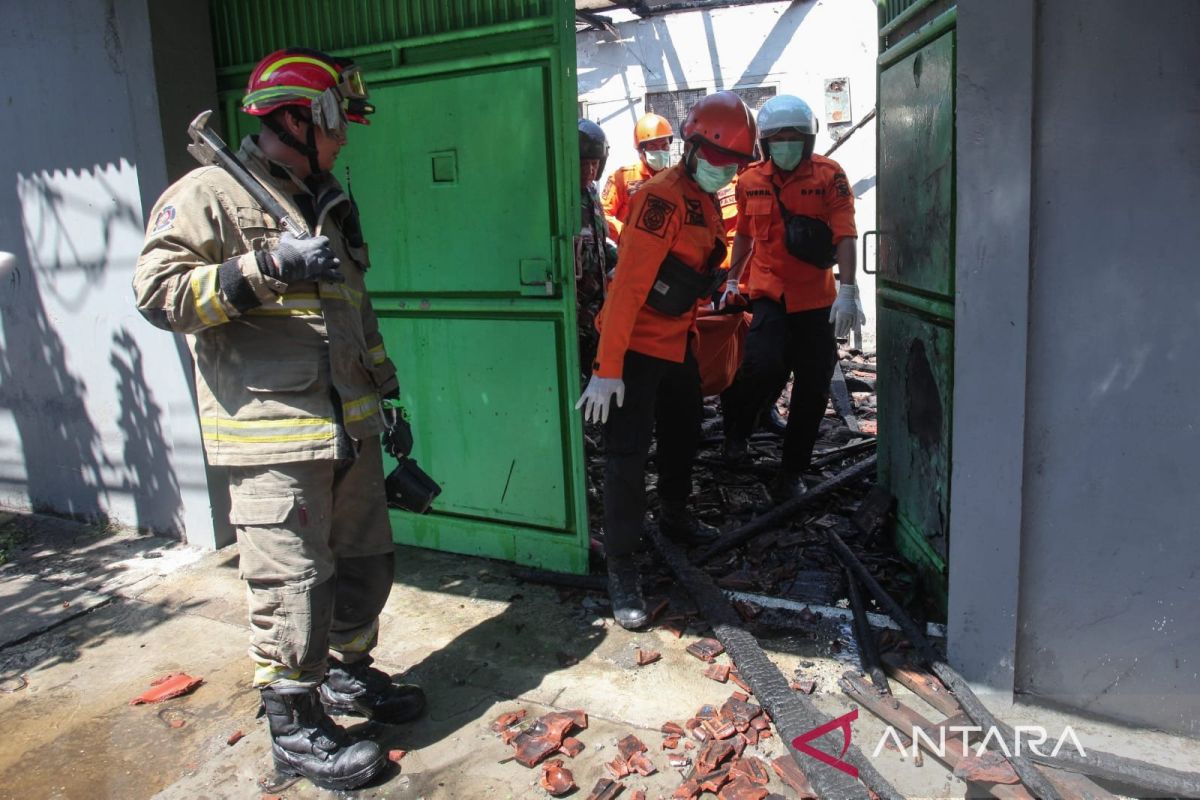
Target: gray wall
1110,563
1090,212
96,411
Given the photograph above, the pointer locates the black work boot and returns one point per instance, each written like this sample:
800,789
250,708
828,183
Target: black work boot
735,449
787,485
625,592
360,689
306,742
676,521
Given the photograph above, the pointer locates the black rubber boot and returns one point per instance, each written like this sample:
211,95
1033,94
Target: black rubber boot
676,521
360,689
735,449
625,592
786,486
306,742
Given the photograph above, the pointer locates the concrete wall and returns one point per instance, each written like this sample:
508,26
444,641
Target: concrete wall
1106,540
792,46
96,413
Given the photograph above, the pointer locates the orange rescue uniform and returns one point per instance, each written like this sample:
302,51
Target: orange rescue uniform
670,214
619,189
816,188
727,200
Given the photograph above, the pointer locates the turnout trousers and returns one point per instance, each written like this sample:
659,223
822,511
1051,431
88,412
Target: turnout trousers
777,343
662,399
316,552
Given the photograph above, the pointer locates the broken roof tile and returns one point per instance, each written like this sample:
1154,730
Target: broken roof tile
717,672
630,745
556,779
712,755
790,773
167,687
508,719
571,747
671,728
706,649
605,790
687,790
618,767
753,768
670,742
645,657
741,788
642,765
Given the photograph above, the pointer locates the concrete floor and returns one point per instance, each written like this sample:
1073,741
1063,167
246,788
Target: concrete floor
479,641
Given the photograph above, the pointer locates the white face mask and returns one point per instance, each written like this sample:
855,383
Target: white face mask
657,160
713,178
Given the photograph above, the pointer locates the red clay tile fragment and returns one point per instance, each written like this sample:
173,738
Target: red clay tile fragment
689,746
719,728
507,720
753,768
659,608
706,649
745,687
751,735
234,738
543,737
579,717
717,672
642,765
675,627
166,687
605,790
991,767
806,686
671,742
714,780
740,788
510,734
571,746
630,745
760,722
618,767
671,728
645,657
790,773
746,610
395,756
638,794
740,696
687,790
712,755
177,723
556,779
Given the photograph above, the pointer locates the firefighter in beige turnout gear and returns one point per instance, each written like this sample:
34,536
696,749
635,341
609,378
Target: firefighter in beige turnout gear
290,372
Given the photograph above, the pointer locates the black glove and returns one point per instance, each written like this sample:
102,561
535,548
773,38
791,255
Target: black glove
397,439
294,260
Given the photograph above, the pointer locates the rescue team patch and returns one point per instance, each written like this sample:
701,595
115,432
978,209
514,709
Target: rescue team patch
655,214
841,184
164,220
694,213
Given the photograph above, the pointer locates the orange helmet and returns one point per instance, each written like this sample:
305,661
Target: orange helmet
651,126
722,121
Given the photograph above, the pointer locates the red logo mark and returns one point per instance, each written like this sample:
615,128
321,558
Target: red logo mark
801,743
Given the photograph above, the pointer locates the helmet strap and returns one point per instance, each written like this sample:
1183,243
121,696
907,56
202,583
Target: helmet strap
307,149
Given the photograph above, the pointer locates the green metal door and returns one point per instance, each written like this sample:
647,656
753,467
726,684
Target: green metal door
468,183
915,281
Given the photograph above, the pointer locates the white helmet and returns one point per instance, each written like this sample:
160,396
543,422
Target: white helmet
786,111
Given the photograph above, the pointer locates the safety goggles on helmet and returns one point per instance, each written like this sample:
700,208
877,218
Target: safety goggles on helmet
345,101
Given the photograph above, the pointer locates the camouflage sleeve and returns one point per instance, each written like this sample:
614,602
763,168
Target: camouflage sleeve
195,270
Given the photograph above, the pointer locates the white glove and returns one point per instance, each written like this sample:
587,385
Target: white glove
595,397
847,310
731,291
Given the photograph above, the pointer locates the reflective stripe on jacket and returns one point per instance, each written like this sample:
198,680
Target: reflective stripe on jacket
281,371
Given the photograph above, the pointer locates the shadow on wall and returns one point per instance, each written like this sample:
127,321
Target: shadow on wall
149,476
61,447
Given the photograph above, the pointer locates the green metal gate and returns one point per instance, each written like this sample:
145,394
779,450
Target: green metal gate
915,282
468,183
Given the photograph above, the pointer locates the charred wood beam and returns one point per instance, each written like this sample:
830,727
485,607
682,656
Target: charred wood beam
787,510
596,21
841,398
868,649
793,713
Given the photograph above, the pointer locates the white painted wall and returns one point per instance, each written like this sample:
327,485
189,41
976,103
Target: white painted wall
792,46
96,415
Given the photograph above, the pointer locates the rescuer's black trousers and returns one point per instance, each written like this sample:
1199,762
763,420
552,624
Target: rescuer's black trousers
663,401
777,343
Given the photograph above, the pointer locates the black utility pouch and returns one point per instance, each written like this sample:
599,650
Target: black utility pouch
677,287
807,238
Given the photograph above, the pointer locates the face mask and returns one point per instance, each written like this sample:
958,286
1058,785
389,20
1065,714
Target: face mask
787,155
658,160
713,178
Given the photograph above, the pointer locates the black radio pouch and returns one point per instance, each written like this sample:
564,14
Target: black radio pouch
807,238
677,286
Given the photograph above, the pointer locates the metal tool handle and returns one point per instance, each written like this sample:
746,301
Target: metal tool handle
208,148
